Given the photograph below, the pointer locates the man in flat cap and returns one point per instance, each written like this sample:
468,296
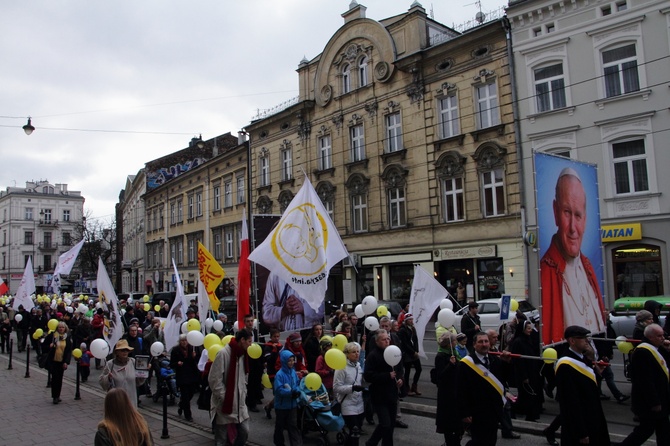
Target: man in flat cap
578,394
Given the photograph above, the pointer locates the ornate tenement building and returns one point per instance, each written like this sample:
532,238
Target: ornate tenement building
405,128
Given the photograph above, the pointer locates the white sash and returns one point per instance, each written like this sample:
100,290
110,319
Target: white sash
577,365
487,375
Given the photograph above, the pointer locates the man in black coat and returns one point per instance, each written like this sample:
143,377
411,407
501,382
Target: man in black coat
471,324
582,417
384,384
651,391
410,353
481,394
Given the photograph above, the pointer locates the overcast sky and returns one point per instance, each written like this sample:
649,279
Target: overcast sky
111,85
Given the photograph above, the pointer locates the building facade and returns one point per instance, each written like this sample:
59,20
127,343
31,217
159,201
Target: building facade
131,229
592,85
195,195
405,128
39,221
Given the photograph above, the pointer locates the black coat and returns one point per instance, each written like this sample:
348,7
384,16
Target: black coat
579,401
67,353
409,343
383,388
650,384
446,418
187,373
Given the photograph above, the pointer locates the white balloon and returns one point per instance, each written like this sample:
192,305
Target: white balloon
209,322
446,303
369,304
184,327
359,311
69,310
18,318
392,355
619,340
99,348
446,317
157,348
82,309
236,326
217,325
195,338
371,323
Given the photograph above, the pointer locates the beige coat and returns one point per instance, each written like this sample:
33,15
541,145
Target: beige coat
217,382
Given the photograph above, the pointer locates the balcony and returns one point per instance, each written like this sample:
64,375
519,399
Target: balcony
48,246
48,223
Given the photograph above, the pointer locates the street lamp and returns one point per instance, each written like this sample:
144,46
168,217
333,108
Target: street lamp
28,128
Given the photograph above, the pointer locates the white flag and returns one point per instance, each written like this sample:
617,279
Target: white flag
303,247
177,314
113,329
26,288
427,293
203,306
65,264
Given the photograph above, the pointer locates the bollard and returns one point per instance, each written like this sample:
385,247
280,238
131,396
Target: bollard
27,362
164,391
11,347
76,392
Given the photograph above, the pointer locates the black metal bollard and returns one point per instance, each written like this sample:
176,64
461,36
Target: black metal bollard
77,396
164,391
27,362
11,347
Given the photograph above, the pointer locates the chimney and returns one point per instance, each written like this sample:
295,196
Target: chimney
355,11
241,137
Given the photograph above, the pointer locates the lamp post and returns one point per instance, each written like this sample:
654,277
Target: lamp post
28,128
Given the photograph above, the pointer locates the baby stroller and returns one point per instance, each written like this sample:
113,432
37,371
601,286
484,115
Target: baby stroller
315,414
162,383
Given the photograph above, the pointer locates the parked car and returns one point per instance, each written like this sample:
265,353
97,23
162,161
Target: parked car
624,310
489,313
167,296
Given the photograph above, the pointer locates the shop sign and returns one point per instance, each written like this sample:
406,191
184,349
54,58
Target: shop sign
616,233
469,253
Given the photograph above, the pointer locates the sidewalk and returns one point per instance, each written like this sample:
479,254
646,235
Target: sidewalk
30,418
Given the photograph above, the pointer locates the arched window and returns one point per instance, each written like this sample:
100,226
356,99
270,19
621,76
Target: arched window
346,79
363,71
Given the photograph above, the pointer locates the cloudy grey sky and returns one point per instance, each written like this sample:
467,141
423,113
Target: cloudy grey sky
111,85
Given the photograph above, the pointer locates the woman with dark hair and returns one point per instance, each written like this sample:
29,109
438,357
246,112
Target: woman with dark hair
122,424
59,356
184,361
311,346
527,372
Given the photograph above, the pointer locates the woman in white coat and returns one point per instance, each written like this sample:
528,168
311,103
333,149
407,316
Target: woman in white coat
348,390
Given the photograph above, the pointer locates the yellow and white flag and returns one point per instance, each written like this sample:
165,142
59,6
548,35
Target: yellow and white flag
303,247
211,275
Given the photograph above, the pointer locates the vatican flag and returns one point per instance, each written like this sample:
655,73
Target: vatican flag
303,247
211,275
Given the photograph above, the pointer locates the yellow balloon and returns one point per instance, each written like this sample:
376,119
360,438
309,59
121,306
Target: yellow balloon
265,380
382,311
625,347
47,300
39,332
76,353
35,336
513,305
330,338
226,340
313,381
339,341
145,298
210,340
213,350
255,351
193,325
549,355
147,307
157,308
335,359
52,324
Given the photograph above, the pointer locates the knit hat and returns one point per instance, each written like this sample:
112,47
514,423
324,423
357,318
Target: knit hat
643,315
293,337
408,316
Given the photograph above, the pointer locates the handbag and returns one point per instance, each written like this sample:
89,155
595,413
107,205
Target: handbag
42,360
204,399
336,407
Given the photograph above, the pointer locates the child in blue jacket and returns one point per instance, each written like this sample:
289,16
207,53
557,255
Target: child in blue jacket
287,393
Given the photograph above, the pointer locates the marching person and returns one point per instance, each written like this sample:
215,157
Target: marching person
578,394
227,379
120,372
651,388
60,354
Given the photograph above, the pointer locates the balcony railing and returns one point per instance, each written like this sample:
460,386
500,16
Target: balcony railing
48,246
50,223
